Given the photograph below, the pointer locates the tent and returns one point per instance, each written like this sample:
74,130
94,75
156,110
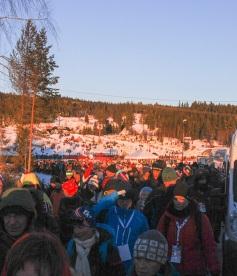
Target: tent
141,155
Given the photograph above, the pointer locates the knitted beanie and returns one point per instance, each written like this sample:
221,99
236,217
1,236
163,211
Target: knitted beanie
169,174
145,190
158,165
83,214
112,168
30,179
17,197
146,169
151,245
181,189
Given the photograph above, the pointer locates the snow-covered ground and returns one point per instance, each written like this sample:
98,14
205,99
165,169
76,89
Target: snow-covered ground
62,138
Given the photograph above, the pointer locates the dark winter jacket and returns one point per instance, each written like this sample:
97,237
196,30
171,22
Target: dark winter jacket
156,204
56,197
155,183
199,252
44,219
6,243
66,208
106,263
143,183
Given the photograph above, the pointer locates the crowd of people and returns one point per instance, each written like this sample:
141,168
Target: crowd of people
112,219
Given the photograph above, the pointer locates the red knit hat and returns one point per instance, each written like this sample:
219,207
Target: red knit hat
70,187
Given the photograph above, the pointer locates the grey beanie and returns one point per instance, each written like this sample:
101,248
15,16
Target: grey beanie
151,245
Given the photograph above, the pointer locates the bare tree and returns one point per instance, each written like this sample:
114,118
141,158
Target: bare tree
14,12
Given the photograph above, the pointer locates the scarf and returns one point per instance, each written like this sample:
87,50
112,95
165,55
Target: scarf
83,248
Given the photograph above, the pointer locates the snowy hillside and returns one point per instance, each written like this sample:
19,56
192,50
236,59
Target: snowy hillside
48,140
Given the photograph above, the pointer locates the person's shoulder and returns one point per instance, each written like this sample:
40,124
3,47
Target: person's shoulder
139,215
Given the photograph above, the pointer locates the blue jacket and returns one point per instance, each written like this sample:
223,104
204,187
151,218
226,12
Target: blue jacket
128,224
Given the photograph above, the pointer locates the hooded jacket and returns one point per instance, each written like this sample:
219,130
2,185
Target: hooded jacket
13,198
199,252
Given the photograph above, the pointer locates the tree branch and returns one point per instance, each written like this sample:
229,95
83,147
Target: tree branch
22,19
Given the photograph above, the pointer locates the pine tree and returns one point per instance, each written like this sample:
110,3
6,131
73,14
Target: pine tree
31,73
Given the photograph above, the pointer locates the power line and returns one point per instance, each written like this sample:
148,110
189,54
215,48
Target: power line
145,98
117,96
142,98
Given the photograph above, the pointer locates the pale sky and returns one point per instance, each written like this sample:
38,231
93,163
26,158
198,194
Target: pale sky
146,50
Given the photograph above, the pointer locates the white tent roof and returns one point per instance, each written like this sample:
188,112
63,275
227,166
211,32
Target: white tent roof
141,155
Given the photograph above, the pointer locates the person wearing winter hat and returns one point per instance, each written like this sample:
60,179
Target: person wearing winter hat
143,195
56,195
211,200
110,173
186,174
127,222
151,255
169,177
192,248
31,181
144,178
91,248
89,190
111,170
157,168
116,185
54,185
17,211
66,205
69,188
159,198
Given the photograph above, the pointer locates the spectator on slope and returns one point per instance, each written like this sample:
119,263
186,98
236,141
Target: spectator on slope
192,248
92,250
17,212
151,256
157,168
37,254
159,198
